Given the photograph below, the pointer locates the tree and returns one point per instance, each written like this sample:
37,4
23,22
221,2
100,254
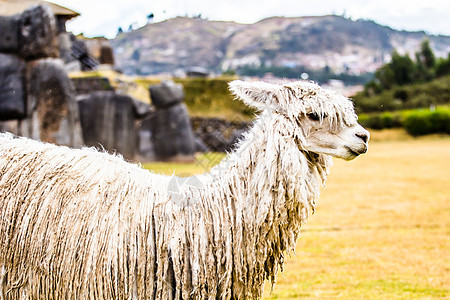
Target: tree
399,71
150,18
384,76
426,54
443,66
403,68
425,62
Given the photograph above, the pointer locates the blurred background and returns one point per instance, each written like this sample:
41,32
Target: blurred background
148,80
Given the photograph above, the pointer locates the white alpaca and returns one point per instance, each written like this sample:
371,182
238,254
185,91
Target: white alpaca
81,224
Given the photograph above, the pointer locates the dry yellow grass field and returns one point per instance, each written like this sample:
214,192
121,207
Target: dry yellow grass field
381,229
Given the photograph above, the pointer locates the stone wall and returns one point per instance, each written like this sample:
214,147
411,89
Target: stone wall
109,121
37,98
218,135
86,85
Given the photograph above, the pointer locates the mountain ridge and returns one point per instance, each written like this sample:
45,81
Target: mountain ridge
313,42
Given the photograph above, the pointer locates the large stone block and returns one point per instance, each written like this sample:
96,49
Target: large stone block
51,103
141,109
97,119
107,121
172,133
9,34
12,87
38,33
124,130
145,145
166,94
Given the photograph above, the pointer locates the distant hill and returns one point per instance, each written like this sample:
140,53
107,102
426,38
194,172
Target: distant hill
333,42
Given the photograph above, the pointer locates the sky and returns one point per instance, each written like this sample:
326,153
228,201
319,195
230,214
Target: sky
103,18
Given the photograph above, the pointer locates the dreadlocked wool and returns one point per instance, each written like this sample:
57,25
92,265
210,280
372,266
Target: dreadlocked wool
82,224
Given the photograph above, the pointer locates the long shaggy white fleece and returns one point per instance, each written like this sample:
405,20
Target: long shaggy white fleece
80,224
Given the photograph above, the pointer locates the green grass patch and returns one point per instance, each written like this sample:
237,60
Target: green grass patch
202,163
209,97
212,98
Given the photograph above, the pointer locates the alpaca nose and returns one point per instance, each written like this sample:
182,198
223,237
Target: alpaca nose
363,135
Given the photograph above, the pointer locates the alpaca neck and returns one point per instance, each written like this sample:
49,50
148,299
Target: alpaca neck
268,166
271,186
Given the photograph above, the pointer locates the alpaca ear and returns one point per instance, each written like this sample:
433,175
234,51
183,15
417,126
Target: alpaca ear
260,95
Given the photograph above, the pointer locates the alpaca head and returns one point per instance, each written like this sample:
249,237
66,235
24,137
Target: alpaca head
319,120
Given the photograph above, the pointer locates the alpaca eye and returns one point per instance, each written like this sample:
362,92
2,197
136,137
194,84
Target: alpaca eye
314,116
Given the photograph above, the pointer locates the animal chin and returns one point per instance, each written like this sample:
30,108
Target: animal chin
314,152
353,153
356,152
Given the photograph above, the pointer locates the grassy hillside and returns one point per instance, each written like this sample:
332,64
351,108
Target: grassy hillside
209,97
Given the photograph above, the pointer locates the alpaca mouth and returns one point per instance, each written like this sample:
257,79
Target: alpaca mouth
357,152
352,152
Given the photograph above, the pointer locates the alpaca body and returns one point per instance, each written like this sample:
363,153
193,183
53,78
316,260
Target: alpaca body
71,221
82,224
76,224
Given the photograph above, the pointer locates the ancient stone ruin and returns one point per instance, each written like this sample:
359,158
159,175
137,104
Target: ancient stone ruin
40,101
168,126
109,120
36,94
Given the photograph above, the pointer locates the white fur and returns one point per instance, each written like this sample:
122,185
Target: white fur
83,224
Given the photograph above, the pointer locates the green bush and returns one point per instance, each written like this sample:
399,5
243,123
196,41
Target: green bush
421,100
381,121
420,95
425,122
371,121
401,94
416,122
391,120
